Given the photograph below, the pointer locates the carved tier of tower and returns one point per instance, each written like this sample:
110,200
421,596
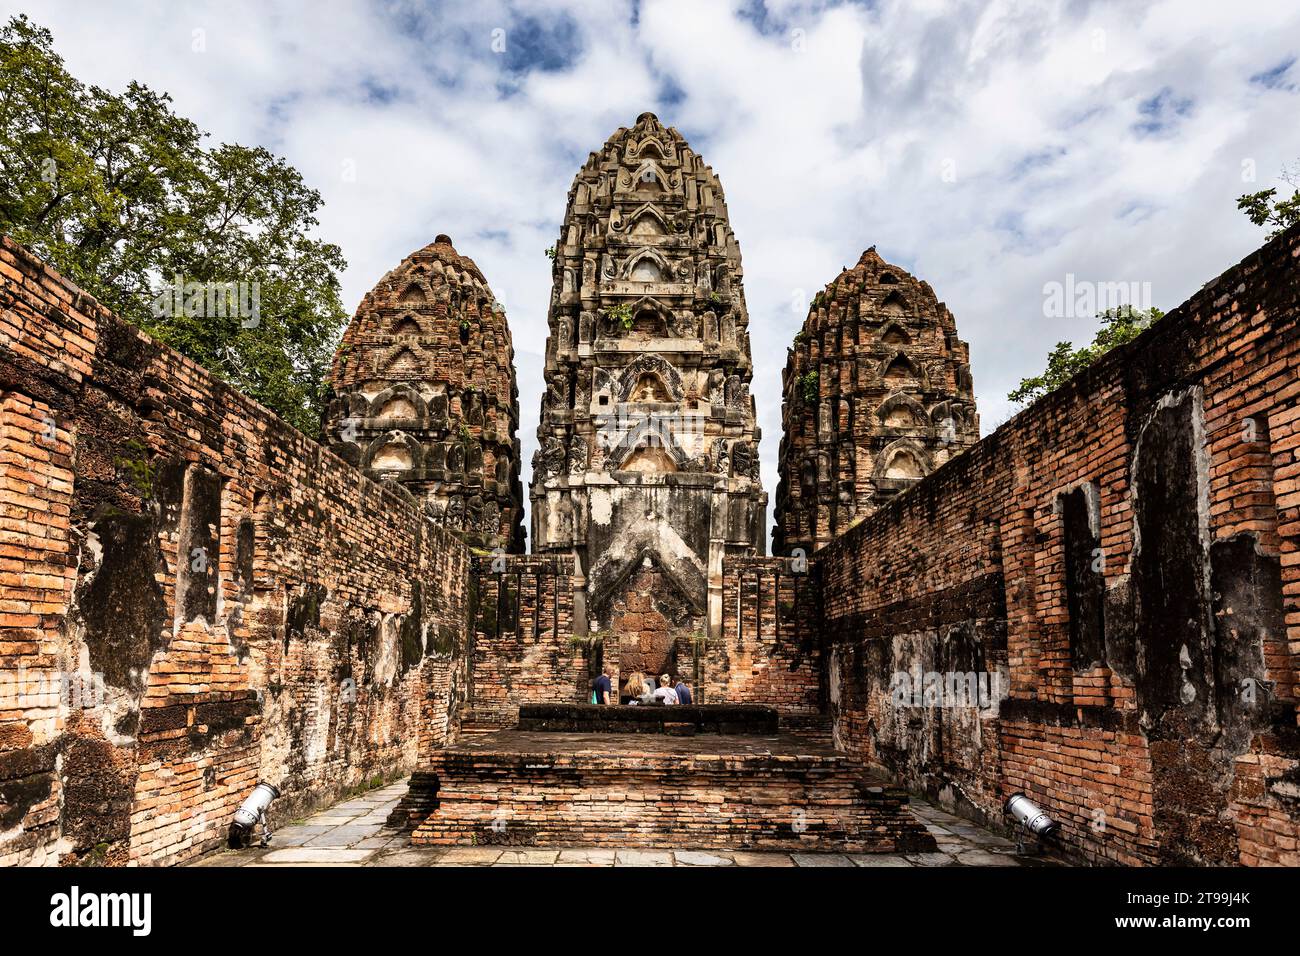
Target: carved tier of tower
647,470
877,394
425,395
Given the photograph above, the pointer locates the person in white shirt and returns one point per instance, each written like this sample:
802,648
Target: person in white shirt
665,693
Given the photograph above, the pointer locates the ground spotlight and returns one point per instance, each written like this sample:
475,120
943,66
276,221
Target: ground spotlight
251,812
1031,819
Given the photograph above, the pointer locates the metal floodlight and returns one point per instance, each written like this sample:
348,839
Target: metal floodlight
252,812
1032,820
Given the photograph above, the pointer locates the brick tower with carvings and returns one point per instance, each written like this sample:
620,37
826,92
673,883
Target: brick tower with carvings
647,470
877,394
424,395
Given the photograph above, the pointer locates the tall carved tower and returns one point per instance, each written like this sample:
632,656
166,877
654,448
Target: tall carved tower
877,394
647,470
425,395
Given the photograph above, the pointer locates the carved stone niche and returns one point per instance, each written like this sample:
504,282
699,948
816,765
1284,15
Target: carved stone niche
472,402
437,456
577,458
741,459
553,456
456,458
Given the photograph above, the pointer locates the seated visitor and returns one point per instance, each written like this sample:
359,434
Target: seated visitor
665,694
634,689
683,692
600,687
647,689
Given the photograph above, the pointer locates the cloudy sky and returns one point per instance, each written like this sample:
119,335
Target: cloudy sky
988,147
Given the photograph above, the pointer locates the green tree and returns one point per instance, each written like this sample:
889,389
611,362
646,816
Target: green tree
1119,325
1265,209
124,197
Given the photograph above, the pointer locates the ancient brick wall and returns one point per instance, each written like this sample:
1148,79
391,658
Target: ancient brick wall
651,619
767,650
193,596
1115,576
524,651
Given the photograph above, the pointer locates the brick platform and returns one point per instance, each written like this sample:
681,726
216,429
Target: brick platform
679,720
526,788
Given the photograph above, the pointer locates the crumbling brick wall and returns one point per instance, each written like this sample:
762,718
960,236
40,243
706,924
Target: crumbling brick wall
1120,567
193,596
524,651
767,649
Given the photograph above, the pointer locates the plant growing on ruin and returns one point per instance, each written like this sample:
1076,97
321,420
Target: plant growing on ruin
127,200
699,639
1263,209
589,641
95,857
550,253
137,468
1119,325
808,386
621,314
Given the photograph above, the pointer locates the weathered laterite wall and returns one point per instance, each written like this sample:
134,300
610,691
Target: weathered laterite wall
1125,557
767,650
523,651
235,602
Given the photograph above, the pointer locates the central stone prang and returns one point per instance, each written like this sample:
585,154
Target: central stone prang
648,470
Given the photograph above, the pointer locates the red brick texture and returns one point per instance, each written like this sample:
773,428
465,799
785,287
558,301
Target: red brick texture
766,650
193,597
524,652
1123,560
556,789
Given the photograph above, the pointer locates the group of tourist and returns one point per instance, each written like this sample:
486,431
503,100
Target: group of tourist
640,689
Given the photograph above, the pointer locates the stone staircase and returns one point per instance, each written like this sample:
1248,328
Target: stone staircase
707,791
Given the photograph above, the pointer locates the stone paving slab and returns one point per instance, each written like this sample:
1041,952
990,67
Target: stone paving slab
354,833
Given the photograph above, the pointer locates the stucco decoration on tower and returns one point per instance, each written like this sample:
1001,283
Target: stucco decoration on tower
877,395
647,470
425,395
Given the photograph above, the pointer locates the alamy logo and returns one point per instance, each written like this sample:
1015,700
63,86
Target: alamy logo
74,909
949,689
1080,299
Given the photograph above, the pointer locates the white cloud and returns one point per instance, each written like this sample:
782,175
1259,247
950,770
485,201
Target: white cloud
829,124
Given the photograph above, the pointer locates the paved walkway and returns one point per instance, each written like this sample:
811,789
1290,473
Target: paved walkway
353,833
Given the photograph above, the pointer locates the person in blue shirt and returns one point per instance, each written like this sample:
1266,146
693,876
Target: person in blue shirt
683,692
601,686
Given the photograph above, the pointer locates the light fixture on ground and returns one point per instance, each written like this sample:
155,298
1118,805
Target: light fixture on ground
1032,821
251,812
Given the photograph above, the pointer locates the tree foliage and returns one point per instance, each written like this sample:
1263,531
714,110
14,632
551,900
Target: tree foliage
1119,325
125,198
1265,209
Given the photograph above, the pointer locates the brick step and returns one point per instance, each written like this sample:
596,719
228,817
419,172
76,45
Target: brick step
521,788
478,729
419,801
